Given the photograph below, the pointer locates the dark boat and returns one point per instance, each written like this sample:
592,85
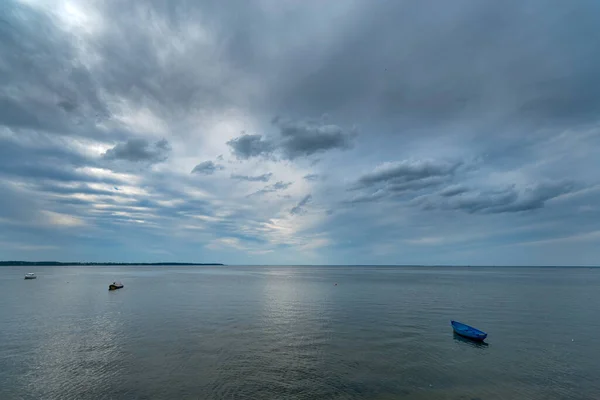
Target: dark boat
468,331
115,286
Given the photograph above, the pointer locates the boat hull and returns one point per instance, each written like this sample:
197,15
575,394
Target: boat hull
115,287
30,277
468,332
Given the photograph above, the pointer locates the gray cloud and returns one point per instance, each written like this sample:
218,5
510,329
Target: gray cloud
305,138
407,171
416,184
294,139
394,179
249,178
299,208
453,190
311,177
277,186
207,168
140,150
247,146
506,200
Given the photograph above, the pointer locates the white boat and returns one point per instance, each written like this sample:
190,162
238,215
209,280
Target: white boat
115,286
30,275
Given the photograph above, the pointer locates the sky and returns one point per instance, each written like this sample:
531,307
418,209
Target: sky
301,132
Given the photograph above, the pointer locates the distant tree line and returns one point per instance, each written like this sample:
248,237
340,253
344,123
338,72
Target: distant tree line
56,263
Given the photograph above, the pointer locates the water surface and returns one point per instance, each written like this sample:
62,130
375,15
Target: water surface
291,333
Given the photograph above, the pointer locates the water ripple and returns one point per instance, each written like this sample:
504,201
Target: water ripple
289,333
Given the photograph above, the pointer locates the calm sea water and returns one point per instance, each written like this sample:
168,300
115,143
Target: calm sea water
291,333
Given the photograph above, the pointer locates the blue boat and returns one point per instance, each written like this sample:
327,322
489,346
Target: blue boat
468,331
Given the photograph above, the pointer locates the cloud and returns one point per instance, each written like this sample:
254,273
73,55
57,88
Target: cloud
392,179
508,200
294,139
453,190
299,208
207,168
247,146
276,187
395,180
311,177
140,150
367,197
58,219
305,137
416,184
408,171
249,178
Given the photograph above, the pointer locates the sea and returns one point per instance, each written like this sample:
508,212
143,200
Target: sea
298,332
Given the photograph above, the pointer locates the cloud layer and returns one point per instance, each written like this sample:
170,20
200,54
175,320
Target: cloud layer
348,132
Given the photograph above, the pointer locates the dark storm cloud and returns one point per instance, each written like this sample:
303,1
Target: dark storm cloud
140,150
207,168
294,139
250,178
299,208
277,186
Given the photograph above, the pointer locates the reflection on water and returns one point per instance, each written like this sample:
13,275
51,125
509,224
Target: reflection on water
290,333
470,342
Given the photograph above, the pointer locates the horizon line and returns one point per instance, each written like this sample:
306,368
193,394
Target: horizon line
167,263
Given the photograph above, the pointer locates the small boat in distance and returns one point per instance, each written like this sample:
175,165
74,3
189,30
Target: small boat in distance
115,286
30,275
468,331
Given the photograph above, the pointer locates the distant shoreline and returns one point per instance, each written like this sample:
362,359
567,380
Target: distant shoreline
166,264
56,263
